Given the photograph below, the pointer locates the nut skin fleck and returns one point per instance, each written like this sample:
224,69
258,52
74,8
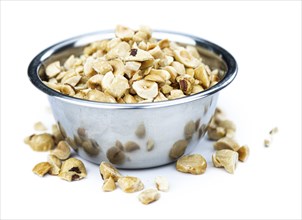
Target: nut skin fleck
133,52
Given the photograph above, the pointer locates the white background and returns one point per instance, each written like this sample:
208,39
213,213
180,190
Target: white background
264,37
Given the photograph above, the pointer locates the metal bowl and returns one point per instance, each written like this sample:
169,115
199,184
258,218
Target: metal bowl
101,131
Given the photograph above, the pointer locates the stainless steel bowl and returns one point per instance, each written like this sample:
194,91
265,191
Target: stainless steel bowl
93,128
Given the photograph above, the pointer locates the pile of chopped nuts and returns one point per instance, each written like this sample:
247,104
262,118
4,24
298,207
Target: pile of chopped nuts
133,67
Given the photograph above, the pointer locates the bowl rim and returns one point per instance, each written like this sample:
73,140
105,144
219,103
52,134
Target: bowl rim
35,64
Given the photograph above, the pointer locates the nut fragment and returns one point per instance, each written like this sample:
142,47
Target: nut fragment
55,165
244,153
225,158
39,126
140,131
41,142
162,183
107,170
130,184
123,32
194,164
269,139
202,76
148,196
215,133
145,89
115,155
58,136
109,185
53,69
72,169
226,143
41,168
131,146
175,94
178,149
186,58
62,151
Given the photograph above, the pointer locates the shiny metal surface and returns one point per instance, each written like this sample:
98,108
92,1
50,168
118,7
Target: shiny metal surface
93,128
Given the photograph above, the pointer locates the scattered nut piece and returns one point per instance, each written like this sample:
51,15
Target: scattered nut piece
267,142
39,126
225,158
162,183
42,168
107,170
109,185
226,143
40,142
194,164
244,153
269,139
62,151
148,196
274,131
58,136
130,184
72,169
55,165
